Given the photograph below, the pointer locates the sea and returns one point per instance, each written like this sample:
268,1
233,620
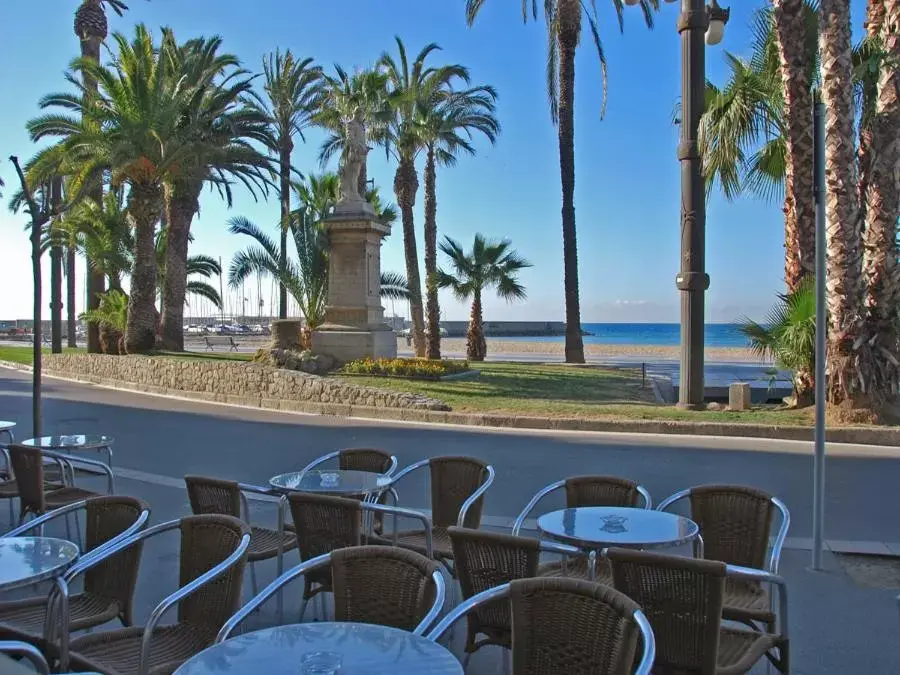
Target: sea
655,334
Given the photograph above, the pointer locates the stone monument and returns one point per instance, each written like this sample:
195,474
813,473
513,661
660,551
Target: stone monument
354,318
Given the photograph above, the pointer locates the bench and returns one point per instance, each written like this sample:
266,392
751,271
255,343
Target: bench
221,341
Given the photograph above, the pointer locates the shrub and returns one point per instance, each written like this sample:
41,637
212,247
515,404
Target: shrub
418,369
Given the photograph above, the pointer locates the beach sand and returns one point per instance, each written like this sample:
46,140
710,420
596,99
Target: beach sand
456,347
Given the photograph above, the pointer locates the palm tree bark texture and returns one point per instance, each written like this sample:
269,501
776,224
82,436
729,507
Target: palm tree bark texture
844,267
432,308
182,203
799,203
406,184
71,294
874,20
568,35
882,210
476,345
284,193
145,205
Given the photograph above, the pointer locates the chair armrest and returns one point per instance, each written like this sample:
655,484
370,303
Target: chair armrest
671,499
393,467
645,665
406,513
778,544
529,507
182,593
475,496
463,608
440,594
258,489
75,461
268,592
648,500
321,460
750,574
41,520
410,469
26,651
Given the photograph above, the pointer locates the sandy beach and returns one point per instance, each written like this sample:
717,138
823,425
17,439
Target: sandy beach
457,347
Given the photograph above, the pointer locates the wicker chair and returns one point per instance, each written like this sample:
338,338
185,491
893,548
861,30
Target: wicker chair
458,485
211,569
736,525
486,560
566,626
682,598
586,491
108,583
382,585
213,495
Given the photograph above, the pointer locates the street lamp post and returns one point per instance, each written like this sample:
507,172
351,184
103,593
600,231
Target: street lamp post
697,23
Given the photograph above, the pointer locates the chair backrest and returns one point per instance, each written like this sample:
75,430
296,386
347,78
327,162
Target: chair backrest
485,560
384,585
453,480
601,491
115,577
681,598
563,626
28,470
213,495
206,541
735,523
324,523
372,460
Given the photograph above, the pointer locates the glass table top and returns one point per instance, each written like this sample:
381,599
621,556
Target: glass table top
28,560
598,526
73,442
6,425
351,648
334,481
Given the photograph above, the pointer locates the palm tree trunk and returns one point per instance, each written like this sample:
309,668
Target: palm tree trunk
406,184
432,309
882,210
800,211
96,282
570,27
476,345
56,281
181,205
874,21
841,206
144,210
71,294
285,195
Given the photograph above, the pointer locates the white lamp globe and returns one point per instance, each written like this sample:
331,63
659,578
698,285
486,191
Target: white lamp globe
715,32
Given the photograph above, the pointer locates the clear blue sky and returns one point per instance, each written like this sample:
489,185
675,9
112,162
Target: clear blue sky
627,177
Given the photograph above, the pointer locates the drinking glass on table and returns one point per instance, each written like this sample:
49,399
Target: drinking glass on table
320,663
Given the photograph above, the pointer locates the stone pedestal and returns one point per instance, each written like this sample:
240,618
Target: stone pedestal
354,325
739,396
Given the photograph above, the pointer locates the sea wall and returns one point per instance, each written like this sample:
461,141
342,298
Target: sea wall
508,328
237,382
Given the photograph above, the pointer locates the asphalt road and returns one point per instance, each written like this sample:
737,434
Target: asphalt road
175,437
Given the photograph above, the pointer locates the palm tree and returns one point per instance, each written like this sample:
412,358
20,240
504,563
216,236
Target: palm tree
138,108
197,265
111,316
91,30
413,90
291,90
341,96
489,264
564,23
102,234
845,380
219,128
447,129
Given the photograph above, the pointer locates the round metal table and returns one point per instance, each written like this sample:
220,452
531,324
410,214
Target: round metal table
6,428
74,443
361,649
597,527
332,481
29,560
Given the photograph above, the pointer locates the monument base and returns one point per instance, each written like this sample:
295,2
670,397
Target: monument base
349,344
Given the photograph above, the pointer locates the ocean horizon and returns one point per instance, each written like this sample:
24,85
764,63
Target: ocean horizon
649,334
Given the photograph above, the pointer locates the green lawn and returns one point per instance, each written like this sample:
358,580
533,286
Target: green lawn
25,355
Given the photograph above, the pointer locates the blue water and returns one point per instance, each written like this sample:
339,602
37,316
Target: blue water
656,334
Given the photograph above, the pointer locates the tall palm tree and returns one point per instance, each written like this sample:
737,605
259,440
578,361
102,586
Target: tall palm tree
342,95
841,205
447,129
196,265
867,70
288,104
489,264
564,24
219,128
132,133
91,30
413,87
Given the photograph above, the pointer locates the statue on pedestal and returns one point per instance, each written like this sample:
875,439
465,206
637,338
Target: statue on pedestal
353,158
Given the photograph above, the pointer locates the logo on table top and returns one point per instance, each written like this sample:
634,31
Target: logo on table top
614,524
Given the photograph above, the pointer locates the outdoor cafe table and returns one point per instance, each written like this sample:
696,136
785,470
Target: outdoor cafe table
333,482
29,560
74,443
598,527
352,649
6,430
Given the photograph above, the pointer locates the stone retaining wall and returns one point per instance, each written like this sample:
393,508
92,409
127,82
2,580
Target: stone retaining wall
226,381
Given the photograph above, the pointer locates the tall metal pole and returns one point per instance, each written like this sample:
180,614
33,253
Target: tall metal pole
692,280
821,315
221,293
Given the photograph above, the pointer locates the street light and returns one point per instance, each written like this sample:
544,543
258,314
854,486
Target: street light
698,22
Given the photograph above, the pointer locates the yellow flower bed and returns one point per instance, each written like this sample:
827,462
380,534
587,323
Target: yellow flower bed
421,369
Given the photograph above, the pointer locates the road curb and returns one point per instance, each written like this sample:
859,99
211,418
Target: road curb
850,435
